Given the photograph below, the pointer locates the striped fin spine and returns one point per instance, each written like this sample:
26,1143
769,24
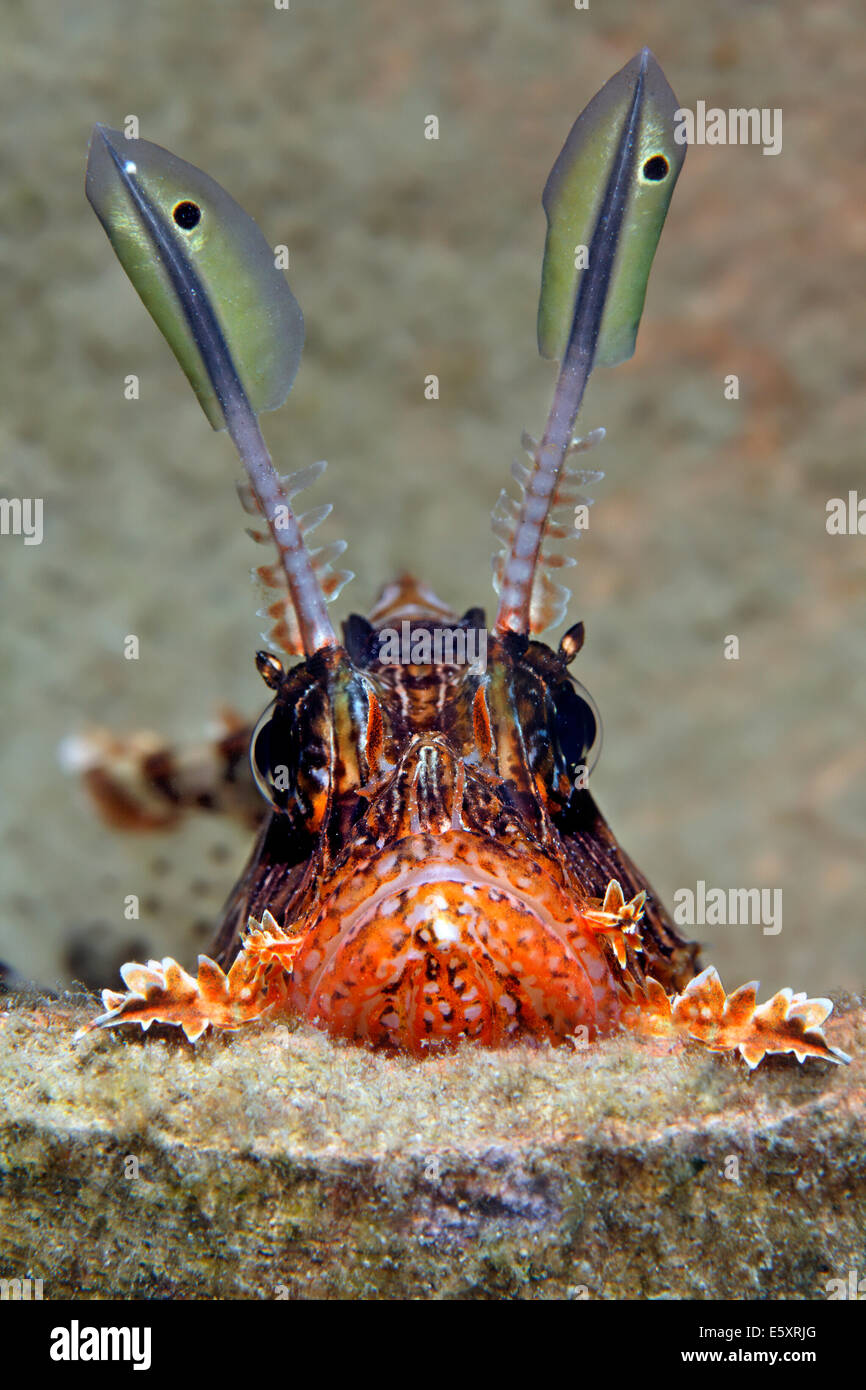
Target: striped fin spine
549,599
284,633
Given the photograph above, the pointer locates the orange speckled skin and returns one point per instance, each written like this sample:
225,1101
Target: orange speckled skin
452,864
448,937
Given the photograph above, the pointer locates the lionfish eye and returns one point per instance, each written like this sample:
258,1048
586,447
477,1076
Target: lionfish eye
577,728
270,758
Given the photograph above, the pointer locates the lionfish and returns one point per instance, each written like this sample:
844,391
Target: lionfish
431,866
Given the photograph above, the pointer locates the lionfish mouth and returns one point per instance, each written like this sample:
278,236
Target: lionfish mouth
445,937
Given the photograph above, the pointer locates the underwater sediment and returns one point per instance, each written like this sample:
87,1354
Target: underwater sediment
277,1164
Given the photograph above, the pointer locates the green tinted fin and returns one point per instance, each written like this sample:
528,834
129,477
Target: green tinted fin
607,195
621,152
207,277
203,270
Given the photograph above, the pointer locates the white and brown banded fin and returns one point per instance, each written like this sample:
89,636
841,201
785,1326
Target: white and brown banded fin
284,634
307,522
142,782
257,983
292,484
735,1022
619,920
532,525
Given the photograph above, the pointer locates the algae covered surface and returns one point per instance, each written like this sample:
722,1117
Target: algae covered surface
278,1164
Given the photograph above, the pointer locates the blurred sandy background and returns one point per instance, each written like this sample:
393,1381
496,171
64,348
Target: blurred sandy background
411,257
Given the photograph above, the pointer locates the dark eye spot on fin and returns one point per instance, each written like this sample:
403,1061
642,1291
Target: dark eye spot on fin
186,214
656,168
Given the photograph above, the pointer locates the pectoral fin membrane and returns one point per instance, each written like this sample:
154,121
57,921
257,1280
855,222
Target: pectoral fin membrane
609,192
203,270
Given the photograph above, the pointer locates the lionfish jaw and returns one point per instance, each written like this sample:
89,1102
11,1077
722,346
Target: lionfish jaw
453,936
443,939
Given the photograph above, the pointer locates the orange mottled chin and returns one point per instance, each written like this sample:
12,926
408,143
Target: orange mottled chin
453,936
